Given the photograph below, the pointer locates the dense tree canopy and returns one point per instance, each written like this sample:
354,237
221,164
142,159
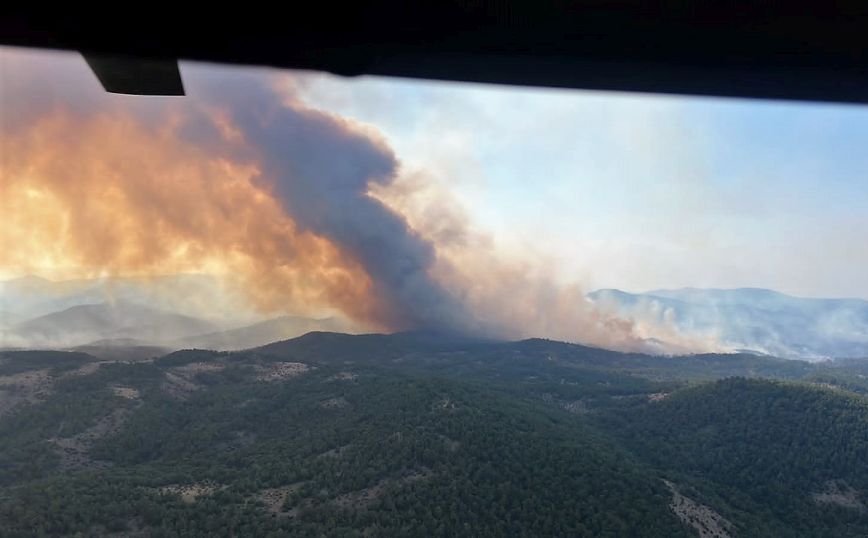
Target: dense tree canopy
325,437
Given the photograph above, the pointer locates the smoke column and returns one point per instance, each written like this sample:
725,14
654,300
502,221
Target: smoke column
321,168
302,208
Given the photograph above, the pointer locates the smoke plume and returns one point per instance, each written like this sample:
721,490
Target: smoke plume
303,210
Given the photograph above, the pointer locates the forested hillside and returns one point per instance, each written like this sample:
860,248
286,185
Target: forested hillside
421,435
763,452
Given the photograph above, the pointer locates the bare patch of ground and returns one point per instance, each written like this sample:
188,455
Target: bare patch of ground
334,403
34,386
364,497
75,451
274,499
179,387
126,392
179,382
837,492
445,404
830,386
278,371
24,388
577,407
343,376
707,522
194,368
335,452
85,369
189,493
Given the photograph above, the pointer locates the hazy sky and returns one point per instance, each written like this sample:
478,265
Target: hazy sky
613,189
638,191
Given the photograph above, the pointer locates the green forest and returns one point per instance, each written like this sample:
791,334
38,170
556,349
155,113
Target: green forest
419,435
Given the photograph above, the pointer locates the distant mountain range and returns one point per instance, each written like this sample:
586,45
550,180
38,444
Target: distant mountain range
31,296
753,320
121,322
128,325
193,311
261,333
166,311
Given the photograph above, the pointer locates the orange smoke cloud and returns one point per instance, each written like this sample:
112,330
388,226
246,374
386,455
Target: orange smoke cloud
297,208
105,195
238,178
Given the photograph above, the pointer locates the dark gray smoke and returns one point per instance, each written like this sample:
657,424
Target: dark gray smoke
321,168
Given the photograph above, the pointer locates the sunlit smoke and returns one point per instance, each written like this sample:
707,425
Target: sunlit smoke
108,194
300,209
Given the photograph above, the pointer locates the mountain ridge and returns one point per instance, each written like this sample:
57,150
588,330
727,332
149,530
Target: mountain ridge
757,320
88,323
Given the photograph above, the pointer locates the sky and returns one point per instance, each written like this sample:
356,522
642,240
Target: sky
638,191
403,204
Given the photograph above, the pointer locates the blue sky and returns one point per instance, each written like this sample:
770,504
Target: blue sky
638,191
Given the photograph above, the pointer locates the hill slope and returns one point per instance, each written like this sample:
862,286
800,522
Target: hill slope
767,454
203,444
420,434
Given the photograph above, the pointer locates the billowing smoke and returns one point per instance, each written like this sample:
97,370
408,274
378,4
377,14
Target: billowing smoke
97,185
303,210
519,296
238,175
321,168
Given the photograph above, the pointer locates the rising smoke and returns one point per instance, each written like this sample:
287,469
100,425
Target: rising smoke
303,209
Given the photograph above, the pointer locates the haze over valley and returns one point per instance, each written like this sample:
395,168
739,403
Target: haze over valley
171,312
163,312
